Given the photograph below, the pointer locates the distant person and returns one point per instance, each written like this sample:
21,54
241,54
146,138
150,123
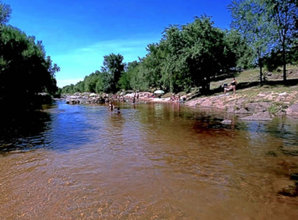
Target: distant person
173,98
118,110
232,86
111,106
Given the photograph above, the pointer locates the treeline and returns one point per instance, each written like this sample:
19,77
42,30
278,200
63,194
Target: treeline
25,70
194,54
187,56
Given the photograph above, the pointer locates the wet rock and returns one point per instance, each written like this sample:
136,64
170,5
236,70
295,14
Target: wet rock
257,107
230,109
226,122
206,103
283,94
290,190
241,111
285,187
261,116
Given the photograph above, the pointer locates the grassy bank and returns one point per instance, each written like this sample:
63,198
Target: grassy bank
253,76
272,98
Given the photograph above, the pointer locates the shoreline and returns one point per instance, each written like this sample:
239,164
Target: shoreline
262,106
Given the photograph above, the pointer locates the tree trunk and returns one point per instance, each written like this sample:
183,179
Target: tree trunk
261,71
206,85
284,63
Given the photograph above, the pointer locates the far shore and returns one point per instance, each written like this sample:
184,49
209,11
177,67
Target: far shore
252,103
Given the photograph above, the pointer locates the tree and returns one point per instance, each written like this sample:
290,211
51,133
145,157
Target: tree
5,12
283,13
205,52
104,83
69,89
250,19
90,82
174,71
113,64
194,54
125,79
79,87
137,77
242,53
24,69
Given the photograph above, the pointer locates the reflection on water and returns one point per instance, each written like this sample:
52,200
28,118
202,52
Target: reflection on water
153,161
23,131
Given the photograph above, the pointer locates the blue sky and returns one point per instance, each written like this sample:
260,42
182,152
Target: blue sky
78,33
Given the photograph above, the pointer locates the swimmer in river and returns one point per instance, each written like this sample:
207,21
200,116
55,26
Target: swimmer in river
118,110
111,106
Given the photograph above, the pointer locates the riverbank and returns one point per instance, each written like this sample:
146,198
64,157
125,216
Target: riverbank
257,103
251,101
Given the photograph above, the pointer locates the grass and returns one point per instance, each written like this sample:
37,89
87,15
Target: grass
252,76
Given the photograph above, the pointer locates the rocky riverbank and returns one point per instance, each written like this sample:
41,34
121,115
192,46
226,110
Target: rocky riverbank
260,106
93,98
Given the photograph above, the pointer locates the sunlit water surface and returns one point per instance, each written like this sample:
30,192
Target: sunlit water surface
152,161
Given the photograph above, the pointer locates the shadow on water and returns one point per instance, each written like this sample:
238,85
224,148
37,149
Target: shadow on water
54,128
18,131
61,127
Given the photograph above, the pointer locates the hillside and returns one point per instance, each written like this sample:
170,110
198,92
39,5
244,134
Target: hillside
260,102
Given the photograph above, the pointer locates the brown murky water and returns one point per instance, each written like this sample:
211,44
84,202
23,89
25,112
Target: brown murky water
153,161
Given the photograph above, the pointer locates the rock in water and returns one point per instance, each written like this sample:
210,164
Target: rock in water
261,116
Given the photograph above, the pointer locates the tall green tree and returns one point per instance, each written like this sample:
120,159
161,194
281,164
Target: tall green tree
174,65
113,64
242,53
250,18
125,81
206,51
25,70
104,83
194,54
283,14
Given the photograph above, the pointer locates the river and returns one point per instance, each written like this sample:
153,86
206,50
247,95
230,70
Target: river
151,161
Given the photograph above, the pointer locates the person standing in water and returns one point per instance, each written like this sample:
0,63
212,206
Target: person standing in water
111,106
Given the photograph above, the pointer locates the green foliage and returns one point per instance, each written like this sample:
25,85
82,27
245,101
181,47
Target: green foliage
250,19
283,15
194,54
25,70
270,28
5,12
113,64
125,81
187,56
242,52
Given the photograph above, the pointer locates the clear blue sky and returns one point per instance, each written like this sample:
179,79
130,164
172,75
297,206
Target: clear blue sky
78,33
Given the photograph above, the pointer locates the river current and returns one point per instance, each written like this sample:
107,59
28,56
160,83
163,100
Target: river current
151,161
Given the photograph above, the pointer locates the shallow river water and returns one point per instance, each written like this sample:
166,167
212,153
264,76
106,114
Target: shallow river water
151,161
